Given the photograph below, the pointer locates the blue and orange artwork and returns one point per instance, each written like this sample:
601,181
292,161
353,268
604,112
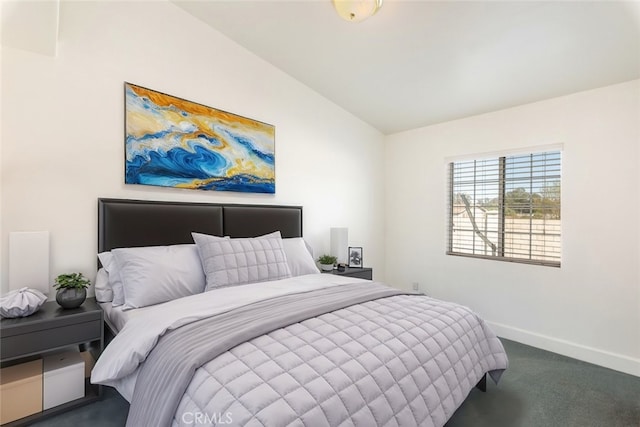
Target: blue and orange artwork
171,142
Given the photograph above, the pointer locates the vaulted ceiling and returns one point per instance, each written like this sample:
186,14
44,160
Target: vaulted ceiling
417,63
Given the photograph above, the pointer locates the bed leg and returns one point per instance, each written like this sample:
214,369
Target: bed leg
482,384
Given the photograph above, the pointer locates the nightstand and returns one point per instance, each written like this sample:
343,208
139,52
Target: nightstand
361,273
53,328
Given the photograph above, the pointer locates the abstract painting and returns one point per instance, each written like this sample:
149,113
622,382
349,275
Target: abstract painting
171,142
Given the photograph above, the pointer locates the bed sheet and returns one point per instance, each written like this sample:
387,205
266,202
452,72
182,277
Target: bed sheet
116,317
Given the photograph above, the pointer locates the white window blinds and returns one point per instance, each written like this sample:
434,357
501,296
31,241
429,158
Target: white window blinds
506,208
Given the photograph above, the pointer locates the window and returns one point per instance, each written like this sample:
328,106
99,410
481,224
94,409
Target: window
506,208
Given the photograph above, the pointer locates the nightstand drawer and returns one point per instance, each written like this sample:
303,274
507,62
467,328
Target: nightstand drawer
364,274
46,339
360,273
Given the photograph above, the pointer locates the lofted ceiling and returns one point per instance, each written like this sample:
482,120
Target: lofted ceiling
417,63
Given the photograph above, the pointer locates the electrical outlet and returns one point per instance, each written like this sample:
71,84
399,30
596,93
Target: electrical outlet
416,286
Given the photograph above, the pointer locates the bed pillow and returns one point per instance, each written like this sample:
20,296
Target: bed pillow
109,265
229,262
155,274
299,259
102,288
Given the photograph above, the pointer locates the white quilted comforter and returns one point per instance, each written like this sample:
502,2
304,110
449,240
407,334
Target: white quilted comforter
405,360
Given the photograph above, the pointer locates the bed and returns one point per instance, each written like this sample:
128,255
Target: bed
240,328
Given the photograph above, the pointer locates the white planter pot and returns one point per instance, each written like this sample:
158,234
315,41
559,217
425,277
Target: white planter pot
326,267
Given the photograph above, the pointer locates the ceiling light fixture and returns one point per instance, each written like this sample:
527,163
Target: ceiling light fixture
356,10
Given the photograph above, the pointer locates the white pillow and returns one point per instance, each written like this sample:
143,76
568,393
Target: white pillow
155,274
299,258
104,293
109,265
229,262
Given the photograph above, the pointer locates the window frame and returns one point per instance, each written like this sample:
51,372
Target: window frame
502,184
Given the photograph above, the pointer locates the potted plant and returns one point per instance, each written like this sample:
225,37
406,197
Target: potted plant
326,262
72,289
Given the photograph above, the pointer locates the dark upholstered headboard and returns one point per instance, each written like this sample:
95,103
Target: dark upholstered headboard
132,223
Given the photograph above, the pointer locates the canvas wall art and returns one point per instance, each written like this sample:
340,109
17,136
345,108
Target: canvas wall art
172,142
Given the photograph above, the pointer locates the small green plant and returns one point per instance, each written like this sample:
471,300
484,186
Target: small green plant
71,280
327,259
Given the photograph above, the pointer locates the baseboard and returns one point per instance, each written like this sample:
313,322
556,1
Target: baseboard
618,362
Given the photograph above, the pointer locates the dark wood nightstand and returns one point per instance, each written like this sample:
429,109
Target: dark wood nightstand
361,273
53,328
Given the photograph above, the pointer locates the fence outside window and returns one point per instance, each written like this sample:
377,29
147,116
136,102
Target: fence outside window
507,208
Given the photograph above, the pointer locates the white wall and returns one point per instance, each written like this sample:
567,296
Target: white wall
63,147
589,308
63,129
30,25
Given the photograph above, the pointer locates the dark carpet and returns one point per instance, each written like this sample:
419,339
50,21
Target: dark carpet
544,389
540,389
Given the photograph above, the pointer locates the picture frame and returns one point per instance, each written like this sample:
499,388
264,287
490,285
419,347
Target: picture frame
355,257
174,142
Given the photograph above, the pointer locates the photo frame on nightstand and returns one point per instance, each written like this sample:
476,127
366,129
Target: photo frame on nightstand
355,256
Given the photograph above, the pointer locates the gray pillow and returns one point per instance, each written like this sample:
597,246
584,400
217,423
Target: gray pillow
229,262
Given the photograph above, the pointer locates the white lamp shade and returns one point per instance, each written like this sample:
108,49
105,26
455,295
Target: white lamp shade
340,243
29,260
